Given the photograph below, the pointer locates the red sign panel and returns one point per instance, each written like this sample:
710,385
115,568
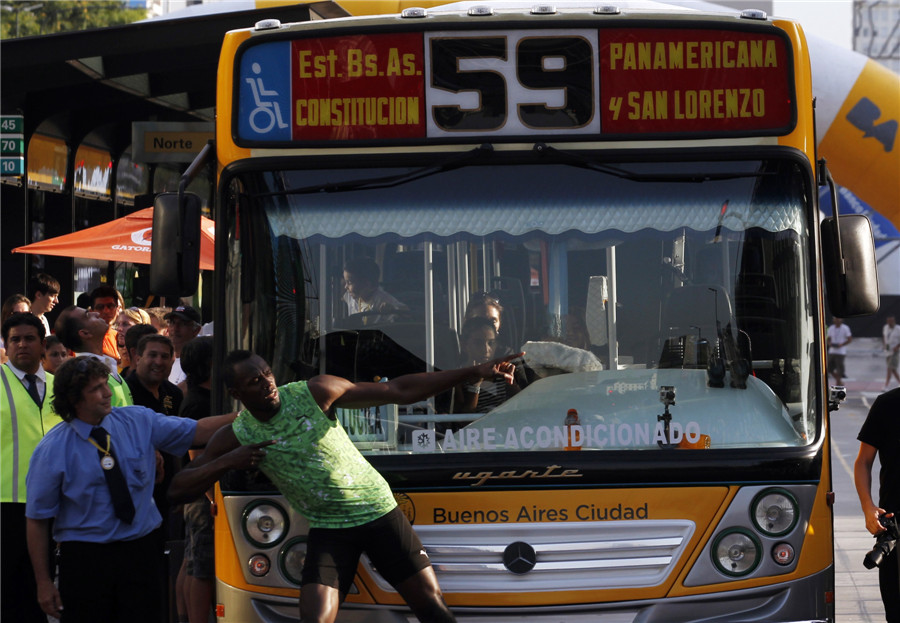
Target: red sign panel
565,82
693,81
358,87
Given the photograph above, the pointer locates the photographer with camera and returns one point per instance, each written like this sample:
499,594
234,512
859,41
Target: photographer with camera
880,435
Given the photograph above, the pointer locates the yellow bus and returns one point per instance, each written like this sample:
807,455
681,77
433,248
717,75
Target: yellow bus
636,192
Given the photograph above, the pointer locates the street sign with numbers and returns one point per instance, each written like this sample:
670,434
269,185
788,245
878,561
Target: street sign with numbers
12,145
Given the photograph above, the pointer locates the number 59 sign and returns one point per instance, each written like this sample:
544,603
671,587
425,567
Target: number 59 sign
511,83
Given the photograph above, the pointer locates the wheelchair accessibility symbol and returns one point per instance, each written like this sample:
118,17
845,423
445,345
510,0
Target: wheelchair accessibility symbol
267,112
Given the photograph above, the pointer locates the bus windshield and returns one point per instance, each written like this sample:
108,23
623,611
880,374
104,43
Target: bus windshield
658,305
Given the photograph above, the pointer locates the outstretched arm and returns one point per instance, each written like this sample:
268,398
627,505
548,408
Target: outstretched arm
224,452
208,426
333,391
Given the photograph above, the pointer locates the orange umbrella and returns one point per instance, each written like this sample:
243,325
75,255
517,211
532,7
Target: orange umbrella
126,239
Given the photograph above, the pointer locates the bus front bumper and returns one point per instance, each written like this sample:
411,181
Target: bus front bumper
799,601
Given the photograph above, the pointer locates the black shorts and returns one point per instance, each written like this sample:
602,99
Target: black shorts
389,541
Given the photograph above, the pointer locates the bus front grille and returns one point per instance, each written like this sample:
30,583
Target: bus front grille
565,556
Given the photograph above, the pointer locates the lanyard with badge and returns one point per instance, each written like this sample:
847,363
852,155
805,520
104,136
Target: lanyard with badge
107,462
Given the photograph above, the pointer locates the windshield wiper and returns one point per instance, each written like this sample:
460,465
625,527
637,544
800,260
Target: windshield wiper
389,181
578,160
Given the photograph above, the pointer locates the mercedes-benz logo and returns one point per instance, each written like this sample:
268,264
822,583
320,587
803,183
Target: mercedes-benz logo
519,557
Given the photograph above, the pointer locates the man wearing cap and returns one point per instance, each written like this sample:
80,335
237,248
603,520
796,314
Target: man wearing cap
183,325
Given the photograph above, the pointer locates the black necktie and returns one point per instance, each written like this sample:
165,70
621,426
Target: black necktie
32,388
115,479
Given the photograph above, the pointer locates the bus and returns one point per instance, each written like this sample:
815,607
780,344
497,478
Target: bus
635,190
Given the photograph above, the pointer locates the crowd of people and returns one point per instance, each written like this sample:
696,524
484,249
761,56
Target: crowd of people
102,475
137,349
98,476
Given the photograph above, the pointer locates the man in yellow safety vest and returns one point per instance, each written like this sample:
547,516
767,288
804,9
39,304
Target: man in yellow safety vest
25,417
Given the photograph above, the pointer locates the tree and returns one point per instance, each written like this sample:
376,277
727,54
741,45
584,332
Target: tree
23,18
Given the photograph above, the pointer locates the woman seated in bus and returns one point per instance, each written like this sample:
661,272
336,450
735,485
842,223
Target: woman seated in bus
484,305
363,294
479,344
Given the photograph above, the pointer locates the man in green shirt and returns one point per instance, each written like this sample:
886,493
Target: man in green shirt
292,435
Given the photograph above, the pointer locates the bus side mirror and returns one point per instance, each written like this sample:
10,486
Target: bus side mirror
175,254
848,263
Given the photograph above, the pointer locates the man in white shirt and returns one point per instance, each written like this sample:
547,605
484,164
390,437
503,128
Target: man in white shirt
838,336
890,336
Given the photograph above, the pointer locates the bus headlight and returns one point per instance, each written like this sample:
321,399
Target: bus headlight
265,523
774,512
736,552
259,565
293,555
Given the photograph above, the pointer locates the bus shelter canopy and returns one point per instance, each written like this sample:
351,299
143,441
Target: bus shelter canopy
126,239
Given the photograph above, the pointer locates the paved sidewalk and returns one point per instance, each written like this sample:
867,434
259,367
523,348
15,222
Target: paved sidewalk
857,596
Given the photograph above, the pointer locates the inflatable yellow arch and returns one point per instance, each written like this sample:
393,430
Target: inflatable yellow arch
857,101
861,141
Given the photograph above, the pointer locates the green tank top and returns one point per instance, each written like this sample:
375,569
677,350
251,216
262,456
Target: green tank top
315,465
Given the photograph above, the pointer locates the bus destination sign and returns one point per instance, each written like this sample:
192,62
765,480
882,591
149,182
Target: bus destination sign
694,81
607,83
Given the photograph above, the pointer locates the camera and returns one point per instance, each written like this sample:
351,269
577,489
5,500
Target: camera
667,395
837,393
884,542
